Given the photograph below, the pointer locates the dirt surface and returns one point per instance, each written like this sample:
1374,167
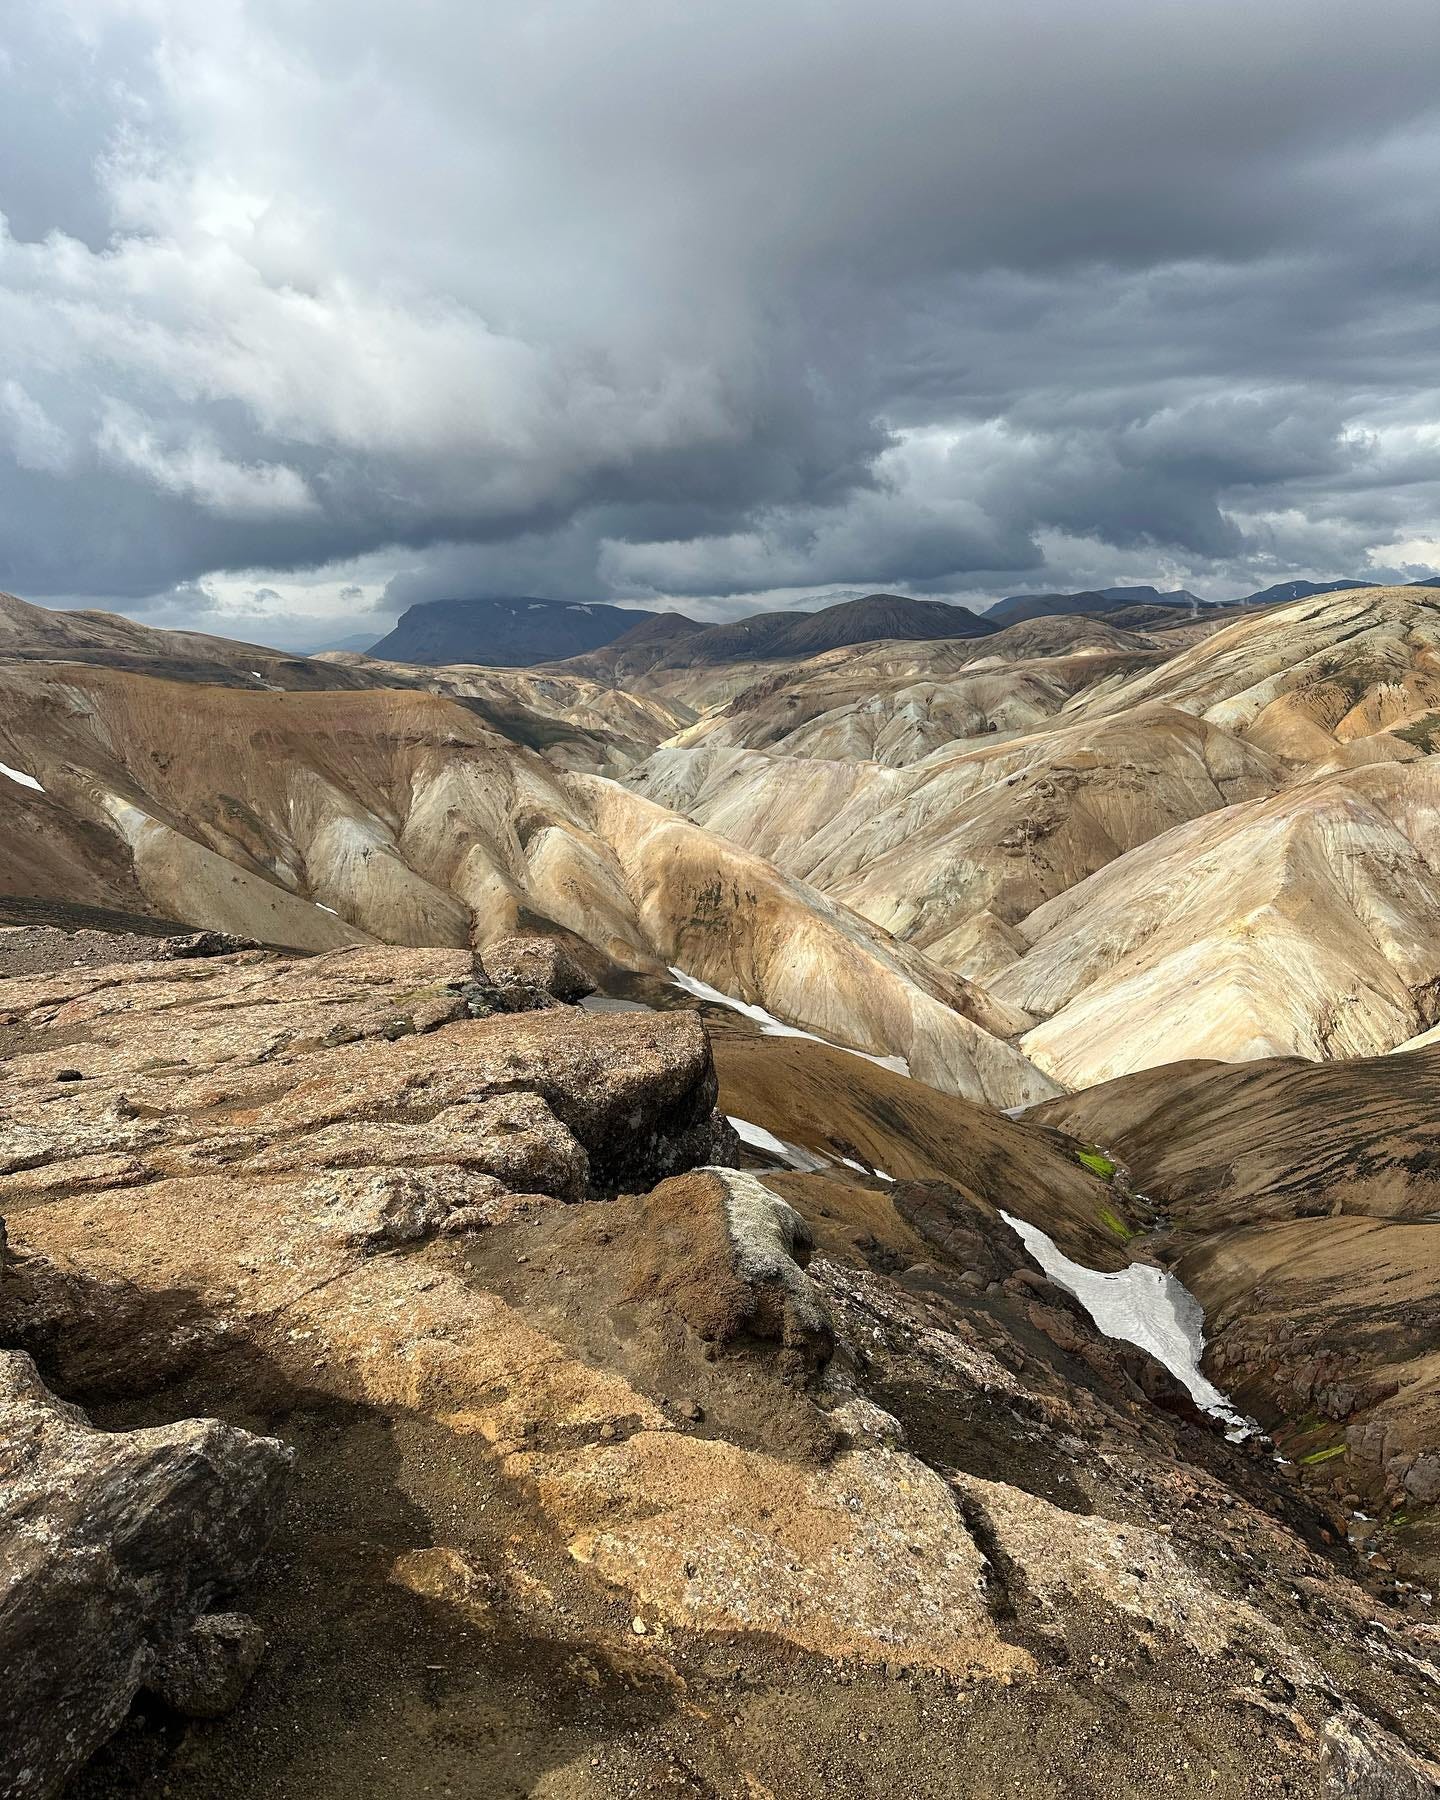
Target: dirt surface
70,917
42,949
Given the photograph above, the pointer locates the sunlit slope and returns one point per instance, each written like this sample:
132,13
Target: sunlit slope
313,820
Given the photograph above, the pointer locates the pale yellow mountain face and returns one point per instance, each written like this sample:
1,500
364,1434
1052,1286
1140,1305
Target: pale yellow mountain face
1223,852
314,820
999,829
1311,679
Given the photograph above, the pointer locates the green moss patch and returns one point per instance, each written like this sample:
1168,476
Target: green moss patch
1097,1163
1114,1223
1423,733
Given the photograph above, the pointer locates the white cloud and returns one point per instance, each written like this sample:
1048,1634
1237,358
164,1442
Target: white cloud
35,440
199,470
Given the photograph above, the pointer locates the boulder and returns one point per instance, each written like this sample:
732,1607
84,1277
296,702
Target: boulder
206,943
113,1548
637,1090
377,1209
204,1672
967,1232
727,1256
517,1139
518,966
1367,1762
1422,1478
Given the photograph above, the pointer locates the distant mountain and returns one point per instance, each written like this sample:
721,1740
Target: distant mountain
673,641
1093,601
1297,590
877,618
634,652
1285,591
1149,596
357,643
506,634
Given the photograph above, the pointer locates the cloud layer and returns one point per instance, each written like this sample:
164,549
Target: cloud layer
337,306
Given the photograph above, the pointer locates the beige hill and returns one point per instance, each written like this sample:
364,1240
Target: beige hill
318,820
1305,924
1311,681
1227,853
1022,673
1150,844
38,634
896,704
989,834
578,722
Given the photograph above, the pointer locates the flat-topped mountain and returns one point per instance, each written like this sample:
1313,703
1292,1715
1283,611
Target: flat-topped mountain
507,634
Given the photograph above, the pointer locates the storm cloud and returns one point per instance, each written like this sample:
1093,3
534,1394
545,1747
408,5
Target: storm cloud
310,311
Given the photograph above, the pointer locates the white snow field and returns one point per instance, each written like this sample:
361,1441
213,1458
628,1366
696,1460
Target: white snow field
1143,1306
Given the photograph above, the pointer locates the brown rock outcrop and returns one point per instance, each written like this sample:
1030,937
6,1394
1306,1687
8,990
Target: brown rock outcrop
728,1257
112,1548
682,1475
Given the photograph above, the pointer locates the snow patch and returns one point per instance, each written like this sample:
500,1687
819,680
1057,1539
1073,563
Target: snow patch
807,1162
860,1169
20,776
330,909
770,1026
1144,1306
758,1138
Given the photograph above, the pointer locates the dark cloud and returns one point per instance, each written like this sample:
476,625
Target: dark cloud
711,302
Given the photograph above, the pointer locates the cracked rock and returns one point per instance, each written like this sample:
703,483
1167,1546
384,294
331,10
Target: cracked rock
113,1545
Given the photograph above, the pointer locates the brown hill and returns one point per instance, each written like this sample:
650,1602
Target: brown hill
317,820
1304,1200
38,634
788,636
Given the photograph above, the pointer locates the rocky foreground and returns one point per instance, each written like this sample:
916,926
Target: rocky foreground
405,1392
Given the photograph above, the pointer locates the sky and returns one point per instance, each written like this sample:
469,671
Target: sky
311,310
